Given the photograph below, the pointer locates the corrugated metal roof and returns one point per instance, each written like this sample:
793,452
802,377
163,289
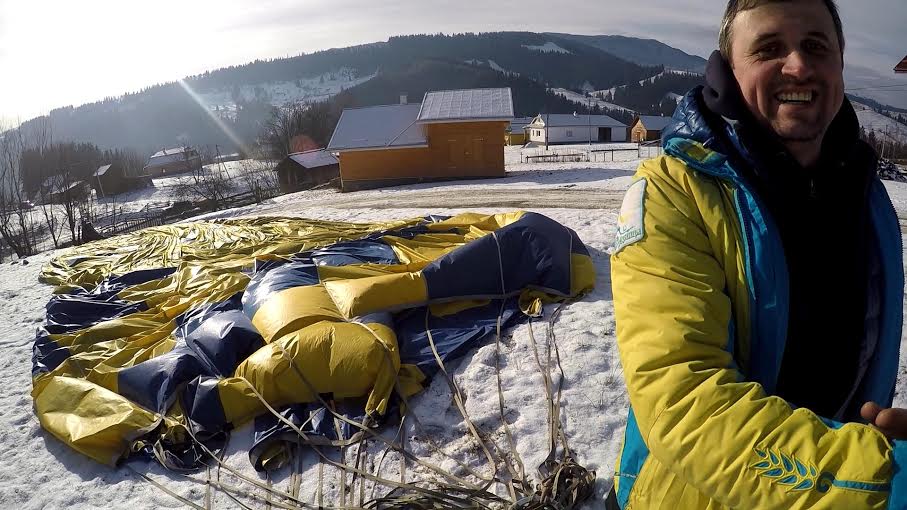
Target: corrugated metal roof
654,122
570,120
314,158
102,170
902,67
519,122
375,127
467,104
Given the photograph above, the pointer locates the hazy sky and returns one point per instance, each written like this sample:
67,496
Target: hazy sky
57,53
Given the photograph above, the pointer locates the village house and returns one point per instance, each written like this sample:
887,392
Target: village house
648,128
516,133
303,170
558,128
453,134
172,161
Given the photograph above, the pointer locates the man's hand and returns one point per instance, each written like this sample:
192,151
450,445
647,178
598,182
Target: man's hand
892,421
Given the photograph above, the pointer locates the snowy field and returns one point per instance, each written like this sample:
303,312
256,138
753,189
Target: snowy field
40,472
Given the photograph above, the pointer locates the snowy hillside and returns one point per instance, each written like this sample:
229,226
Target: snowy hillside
584,100
317,88
548,47
885,127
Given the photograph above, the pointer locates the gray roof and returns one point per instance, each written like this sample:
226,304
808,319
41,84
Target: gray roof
520,122
654,122
467,104
102,170
570,120
377,127
314,158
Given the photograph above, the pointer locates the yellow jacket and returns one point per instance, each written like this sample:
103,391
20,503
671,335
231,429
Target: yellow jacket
700,298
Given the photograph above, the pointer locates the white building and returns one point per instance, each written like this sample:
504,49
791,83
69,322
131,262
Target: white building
572,128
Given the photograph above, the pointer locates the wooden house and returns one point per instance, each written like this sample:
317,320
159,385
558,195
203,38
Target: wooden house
453,134
648,128
303,170
902,67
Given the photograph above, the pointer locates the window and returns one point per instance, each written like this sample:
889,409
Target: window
569,134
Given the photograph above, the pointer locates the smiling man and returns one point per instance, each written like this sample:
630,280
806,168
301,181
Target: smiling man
758,287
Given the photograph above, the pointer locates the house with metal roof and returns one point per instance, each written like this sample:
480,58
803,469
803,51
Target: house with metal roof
172,161
558,128
452,134
648,128
304,170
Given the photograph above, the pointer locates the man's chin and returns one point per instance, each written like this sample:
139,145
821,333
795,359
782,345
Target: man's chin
799,133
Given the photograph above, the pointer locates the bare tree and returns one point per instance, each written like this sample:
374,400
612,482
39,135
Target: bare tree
259,177
206,184
17,225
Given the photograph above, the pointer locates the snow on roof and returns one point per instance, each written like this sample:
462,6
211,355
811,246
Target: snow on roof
902,67
170,152
654,122
569,120
102,170
378,127
467,104
314,158
519,122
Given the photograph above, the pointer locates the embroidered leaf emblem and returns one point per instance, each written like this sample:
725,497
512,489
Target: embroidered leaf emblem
785,470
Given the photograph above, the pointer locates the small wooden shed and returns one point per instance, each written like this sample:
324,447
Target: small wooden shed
303,170
453,134
648,128
109,180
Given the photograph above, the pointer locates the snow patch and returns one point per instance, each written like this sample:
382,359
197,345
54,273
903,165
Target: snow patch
548,47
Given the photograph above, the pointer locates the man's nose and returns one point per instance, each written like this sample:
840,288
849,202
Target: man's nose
797,66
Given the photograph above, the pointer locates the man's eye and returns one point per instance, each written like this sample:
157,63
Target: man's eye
767,51
815,46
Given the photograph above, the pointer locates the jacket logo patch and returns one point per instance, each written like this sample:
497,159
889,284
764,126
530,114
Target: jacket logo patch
630,227
788,471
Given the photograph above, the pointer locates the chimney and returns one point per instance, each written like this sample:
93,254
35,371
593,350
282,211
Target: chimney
403,99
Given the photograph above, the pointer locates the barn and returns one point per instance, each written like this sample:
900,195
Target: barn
557,128
648,128
172,161
303,170
109,180
453,134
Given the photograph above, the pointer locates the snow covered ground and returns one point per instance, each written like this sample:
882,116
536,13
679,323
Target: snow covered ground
40,472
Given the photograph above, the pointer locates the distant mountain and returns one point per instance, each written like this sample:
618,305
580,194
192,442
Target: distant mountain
647,52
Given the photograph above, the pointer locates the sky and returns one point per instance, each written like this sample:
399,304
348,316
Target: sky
59,53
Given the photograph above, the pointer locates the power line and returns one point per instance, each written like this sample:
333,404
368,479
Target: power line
879,87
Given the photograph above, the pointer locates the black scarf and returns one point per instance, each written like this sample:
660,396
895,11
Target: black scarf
822,216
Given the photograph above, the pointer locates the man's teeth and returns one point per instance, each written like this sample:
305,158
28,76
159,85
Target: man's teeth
803,97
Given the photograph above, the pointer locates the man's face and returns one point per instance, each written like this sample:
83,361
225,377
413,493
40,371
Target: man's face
787,59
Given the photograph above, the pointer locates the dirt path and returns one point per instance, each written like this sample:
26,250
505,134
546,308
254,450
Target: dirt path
526,198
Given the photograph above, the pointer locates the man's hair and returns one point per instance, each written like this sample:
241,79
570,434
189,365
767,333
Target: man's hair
735,7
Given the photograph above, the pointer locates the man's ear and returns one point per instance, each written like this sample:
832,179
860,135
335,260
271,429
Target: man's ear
721,92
